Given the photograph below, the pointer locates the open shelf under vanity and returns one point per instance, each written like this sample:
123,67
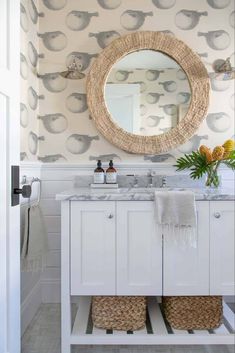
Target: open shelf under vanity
156,332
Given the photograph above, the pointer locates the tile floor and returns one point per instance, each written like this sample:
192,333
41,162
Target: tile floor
43,336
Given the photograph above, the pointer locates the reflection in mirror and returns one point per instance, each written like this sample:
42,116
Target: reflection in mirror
147,93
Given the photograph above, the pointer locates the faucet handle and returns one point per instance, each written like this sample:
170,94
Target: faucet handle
163,181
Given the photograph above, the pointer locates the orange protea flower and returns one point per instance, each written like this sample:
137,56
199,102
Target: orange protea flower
229,146
218,153
206,151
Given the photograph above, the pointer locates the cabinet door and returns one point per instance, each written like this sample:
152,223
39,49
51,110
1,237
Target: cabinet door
92,248
186,269
139,249
222,248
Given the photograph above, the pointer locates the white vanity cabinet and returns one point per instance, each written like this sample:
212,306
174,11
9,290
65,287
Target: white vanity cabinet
186,269
222,234
139,249
92,247
115,249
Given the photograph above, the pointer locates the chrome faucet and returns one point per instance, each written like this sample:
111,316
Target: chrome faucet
135,185
150,175
163,181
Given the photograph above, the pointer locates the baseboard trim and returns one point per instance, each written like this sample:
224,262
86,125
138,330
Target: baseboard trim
30,306
51,290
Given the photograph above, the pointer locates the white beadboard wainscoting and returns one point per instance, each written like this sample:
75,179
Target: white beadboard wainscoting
59,177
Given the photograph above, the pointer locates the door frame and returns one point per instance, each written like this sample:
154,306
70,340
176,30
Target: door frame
9,155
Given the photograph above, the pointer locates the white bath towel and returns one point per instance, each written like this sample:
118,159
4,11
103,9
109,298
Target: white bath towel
34,249
176,213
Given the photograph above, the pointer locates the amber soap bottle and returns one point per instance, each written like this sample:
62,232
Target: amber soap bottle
111,174
99,174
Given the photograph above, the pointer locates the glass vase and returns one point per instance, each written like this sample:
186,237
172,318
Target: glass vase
213,179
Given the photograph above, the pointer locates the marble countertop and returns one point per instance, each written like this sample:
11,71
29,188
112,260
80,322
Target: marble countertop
138,194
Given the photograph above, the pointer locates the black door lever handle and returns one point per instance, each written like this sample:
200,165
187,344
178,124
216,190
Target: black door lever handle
25,191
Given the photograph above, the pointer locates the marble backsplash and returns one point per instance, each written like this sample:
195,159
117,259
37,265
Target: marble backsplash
127,181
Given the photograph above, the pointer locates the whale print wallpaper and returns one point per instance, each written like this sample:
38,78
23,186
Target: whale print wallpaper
55,121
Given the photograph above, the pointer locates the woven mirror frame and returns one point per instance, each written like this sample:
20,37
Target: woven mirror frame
189,61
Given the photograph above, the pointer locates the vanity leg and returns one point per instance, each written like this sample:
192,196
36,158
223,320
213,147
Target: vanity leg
65,279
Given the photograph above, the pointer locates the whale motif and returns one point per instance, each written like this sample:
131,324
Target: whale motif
52,158
153,98
77,103
217,40
54,41
24,118
55,4
132,19
33,142
79,20
105,157
169,86
203,55
153,120
24,22
143,109
192,144
33,54
219,122
33,98
23,156
33,12
23,67
78,144
153,75
109,4
183,97
54,123
122,75
167,31
181,75
158,158
164,4
142,85
188,19
105,38
218,4
169,109
53,82
83,60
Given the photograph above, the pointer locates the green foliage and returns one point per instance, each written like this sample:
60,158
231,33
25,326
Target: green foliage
198,164
195,162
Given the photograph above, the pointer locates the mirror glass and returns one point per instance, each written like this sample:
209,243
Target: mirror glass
147,93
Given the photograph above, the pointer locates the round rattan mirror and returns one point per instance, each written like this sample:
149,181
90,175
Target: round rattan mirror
101,110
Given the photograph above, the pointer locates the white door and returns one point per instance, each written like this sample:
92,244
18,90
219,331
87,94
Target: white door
186,269
222,274
139,249
9,155
93,248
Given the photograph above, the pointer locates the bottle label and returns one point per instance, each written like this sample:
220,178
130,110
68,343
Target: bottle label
111,178
98,178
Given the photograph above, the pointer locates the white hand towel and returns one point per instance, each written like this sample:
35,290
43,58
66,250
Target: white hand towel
34,249
176,212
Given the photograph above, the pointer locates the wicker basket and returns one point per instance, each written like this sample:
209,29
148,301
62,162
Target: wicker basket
119,313
193,313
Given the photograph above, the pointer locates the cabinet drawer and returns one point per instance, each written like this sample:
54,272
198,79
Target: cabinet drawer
92,246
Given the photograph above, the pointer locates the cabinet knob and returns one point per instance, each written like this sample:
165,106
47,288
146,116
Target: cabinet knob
110,216
217,215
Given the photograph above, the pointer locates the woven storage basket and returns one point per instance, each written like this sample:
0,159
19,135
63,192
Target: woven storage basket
193,313
119,313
